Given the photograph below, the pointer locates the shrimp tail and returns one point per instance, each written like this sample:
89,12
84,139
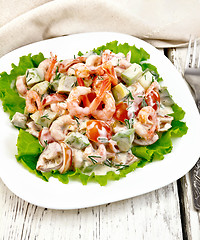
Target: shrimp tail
84,98
49,73
109,69
106,86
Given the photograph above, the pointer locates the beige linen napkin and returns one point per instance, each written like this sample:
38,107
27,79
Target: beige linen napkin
163,23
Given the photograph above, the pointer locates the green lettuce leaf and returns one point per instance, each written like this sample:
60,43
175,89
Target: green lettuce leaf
11,100
29,148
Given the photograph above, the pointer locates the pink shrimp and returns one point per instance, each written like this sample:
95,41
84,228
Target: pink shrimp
93,60
153,87
49,72
109,70
108,110
146,123
74,101
33,102
105,86
53,98
65,65
21,85
45,137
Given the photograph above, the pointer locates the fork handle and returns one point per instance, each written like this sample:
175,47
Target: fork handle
195,173
198,104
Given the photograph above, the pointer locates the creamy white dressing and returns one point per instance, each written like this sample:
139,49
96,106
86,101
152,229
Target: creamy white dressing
102,170
77,156
165,110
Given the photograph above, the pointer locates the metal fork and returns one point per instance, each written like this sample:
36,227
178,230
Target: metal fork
192,69
192,76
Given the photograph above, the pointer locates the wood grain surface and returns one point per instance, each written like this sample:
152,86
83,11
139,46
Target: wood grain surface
155,215
190,216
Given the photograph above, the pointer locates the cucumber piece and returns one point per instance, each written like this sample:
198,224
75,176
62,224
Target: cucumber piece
146,80
131,74
66,83
45,119
124,139
77,140
19,120
119,92
33,76
41,87
54,85
165,97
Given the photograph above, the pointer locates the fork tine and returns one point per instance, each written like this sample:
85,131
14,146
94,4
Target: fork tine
194,53
188,53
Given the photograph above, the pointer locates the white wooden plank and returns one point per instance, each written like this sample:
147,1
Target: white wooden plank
151,216
191,217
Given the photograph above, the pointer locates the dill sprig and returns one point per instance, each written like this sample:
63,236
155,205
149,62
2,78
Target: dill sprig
102,139
77,120
46,116
129,123
92,158
121,166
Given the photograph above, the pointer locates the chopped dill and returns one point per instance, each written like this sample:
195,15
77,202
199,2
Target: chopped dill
102,139
77,120
46,143
94,161
46,116
129,123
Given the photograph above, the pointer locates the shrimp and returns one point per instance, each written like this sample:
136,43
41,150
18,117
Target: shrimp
21,85
107,55
118,59
109,109
81,70
146,123
65,65
53,98
45,137
49,73
107,98
84,98
74,101
60,108
164,123
95,156
55,156
109,69
33,102
33,128
97,82
93,60
61,126
44,65
128,56
105,86
153,87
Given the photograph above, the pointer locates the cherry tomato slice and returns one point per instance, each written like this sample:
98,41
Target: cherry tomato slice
121,112
96,129
153,99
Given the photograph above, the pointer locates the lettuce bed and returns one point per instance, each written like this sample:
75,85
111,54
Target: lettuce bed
29,148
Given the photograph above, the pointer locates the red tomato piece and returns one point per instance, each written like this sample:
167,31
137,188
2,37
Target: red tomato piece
121,112
96,129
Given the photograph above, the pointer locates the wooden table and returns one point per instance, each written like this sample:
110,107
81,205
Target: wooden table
166,213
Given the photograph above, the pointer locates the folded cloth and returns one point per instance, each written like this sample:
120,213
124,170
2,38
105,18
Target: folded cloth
162,23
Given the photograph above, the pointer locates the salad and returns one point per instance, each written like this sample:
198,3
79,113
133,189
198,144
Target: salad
97,116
